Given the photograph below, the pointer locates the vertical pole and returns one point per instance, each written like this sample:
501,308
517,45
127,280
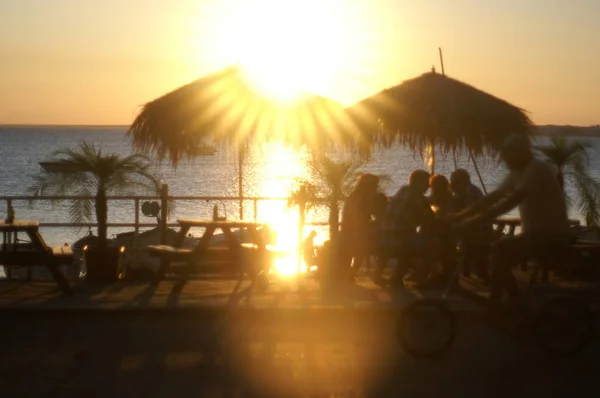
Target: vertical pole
454,158
8,207
432,158
255,210
301,220
240,178
477,171
442,60
7,239
137,230
164,196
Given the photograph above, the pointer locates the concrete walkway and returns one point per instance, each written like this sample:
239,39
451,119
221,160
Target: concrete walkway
207,293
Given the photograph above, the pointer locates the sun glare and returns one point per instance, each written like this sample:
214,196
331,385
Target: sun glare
278,182
289,47
286,47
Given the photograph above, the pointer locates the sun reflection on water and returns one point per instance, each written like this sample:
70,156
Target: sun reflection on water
281,169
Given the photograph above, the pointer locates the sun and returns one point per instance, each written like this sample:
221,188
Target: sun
289,49
285,47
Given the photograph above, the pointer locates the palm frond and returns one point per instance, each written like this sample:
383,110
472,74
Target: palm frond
81,211
57,184
562,152
572,159
336,175
88,171
588,190
588,204
307,193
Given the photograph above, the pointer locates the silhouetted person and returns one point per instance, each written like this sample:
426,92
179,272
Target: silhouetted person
308,250
441,196
380,204
356,224
440,200
409,228
533,187
475,242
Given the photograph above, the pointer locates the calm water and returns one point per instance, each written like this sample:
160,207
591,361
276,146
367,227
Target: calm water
268,171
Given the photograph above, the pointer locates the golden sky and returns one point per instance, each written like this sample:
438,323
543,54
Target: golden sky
97,61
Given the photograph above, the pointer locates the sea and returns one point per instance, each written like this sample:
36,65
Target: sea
269,170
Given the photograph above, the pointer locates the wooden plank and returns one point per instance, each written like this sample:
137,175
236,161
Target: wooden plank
193,222
19,225
169,252
275,250
223,254
62,255
62,250
516,221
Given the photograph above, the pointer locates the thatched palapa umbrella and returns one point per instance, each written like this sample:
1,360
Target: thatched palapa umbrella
224,108
436,110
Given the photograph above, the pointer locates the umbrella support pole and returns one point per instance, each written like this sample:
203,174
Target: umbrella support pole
454,158
477,171
241,179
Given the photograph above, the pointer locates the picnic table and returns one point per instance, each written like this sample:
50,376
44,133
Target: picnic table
512,223
233,254
572,255
16,252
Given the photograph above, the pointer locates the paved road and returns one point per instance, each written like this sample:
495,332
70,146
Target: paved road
181,356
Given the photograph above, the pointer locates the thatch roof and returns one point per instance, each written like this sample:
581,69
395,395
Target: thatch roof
224,107
437,108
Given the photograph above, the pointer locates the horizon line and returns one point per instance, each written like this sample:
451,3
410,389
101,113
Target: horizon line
20,125
61,125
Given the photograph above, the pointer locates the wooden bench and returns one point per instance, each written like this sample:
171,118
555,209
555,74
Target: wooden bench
272,250
15,252
251,259
29,256
212,259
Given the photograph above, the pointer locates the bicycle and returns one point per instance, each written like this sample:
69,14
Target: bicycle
563,325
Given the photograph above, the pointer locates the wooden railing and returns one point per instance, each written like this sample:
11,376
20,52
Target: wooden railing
164,200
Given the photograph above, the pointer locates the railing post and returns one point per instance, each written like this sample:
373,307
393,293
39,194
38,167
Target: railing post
8,206
301,220
8,270
164,200
136,231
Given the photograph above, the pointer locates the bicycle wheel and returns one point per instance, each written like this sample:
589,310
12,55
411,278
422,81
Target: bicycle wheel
563,326
426,328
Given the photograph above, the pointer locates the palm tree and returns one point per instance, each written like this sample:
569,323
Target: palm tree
89,172
338,177
305,197
572,160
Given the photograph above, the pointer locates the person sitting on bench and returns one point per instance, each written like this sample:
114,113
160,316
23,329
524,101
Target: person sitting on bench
408,229
476,242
